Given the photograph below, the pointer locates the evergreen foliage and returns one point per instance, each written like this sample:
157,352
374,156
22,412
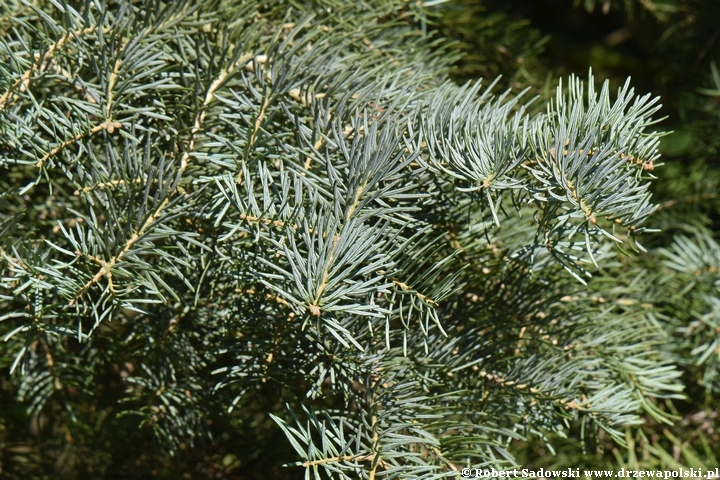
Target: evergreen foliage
673,54
228,223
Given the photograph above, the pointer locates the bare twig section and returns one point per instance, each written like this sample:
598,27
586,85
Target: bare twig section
109,126
278,223
110,184
405,287
111,87
266,221
566,404
258,120
39,63
365,457
202,113
296,94
308,162
442,458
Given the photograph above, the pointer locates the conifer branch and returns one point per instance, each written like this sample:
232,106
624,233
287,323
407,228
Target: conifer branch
105,271
442,458
589,214
107,126
344,458
107,266
24,79
408,289
258,120
202,112
110,184
390,223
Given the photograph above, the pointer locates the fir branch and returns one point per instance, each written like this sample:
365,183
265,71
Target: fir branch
407,288
343,458
105,126
110,184
337,177
202,111
37,66
107,266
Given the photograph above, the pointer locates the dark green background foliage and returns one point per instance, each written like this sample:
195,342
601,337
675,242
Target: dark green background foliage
238,235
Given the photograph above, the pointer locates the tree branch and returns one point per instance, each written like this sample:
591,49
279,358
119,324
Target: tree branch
24,79
345,458
109,126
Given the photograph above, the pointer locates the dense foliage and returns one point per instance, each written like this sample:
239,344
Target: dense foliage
670,48
237,235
